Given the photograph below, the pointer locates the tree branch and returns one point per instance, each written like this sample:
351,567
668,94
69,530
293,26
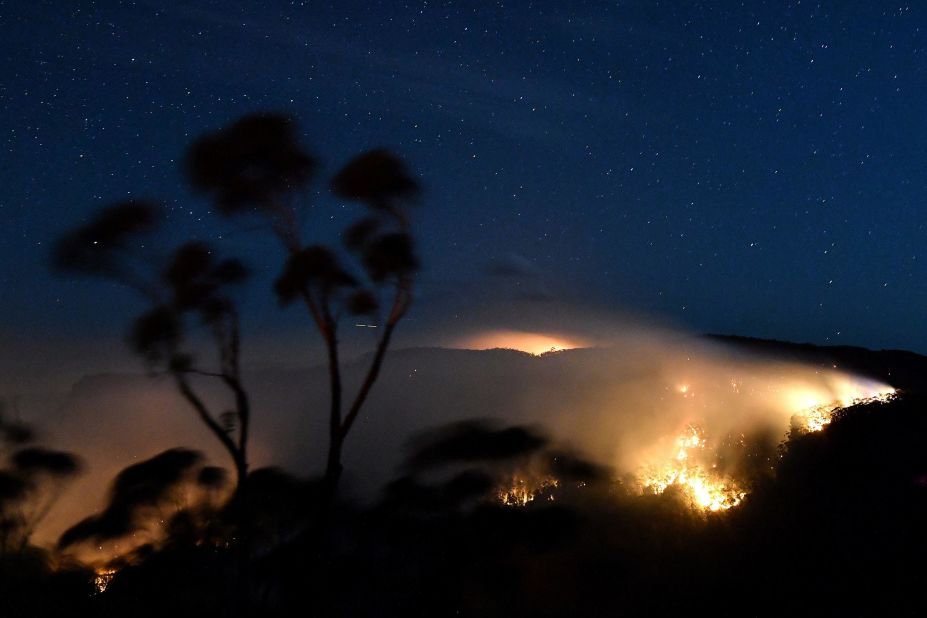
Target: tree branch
400,305
203,412
372,373
334,377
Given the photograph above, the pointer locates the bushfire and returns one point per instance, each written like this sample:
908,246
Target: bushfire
815,416
691,468
688,472
102,578
688,463
520,490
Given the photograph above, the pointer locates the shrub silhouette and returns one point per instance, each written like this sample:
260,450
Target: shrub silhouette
32,478
136,494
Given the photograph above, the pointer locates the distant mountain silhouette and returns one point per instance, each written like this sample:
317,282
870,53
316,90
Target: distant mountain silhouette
900,368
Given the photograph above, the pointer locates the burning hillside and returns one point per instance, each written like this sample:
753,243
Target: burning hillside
689,471
691,467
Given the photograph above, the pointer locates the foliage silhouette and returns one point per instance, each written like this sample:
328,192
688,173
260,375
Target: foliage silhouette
472,441
254,163
105,246
169,503
135,492
477,461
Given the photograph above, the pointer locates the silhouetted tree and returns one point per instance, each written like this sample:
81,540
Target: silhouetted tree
190,287
257,166
32,478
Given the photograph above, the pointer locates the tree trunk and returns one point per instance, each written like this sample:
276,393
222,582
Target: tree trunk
333,464
335,439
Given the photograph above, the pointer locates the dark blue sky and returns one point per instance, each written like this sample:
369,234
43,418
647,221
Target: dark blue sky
755,168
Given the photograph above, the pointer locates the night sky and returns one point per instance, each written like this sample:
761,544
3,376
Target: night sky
753,168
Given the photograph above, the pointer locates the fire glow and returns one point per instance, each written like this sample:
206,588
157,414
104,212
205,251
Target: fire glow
815,410
693,436
532,343
686,472
520,490
102,578
689,467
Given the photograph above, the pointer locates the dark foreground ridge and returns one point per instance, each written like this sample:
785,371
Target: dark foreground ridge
832,525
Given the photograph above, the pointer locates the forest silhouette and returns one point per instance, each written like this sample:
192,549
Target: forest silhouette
833,524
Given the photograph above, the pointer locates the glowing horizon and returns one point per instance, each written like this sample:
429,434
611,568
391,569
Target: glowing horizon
523,341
